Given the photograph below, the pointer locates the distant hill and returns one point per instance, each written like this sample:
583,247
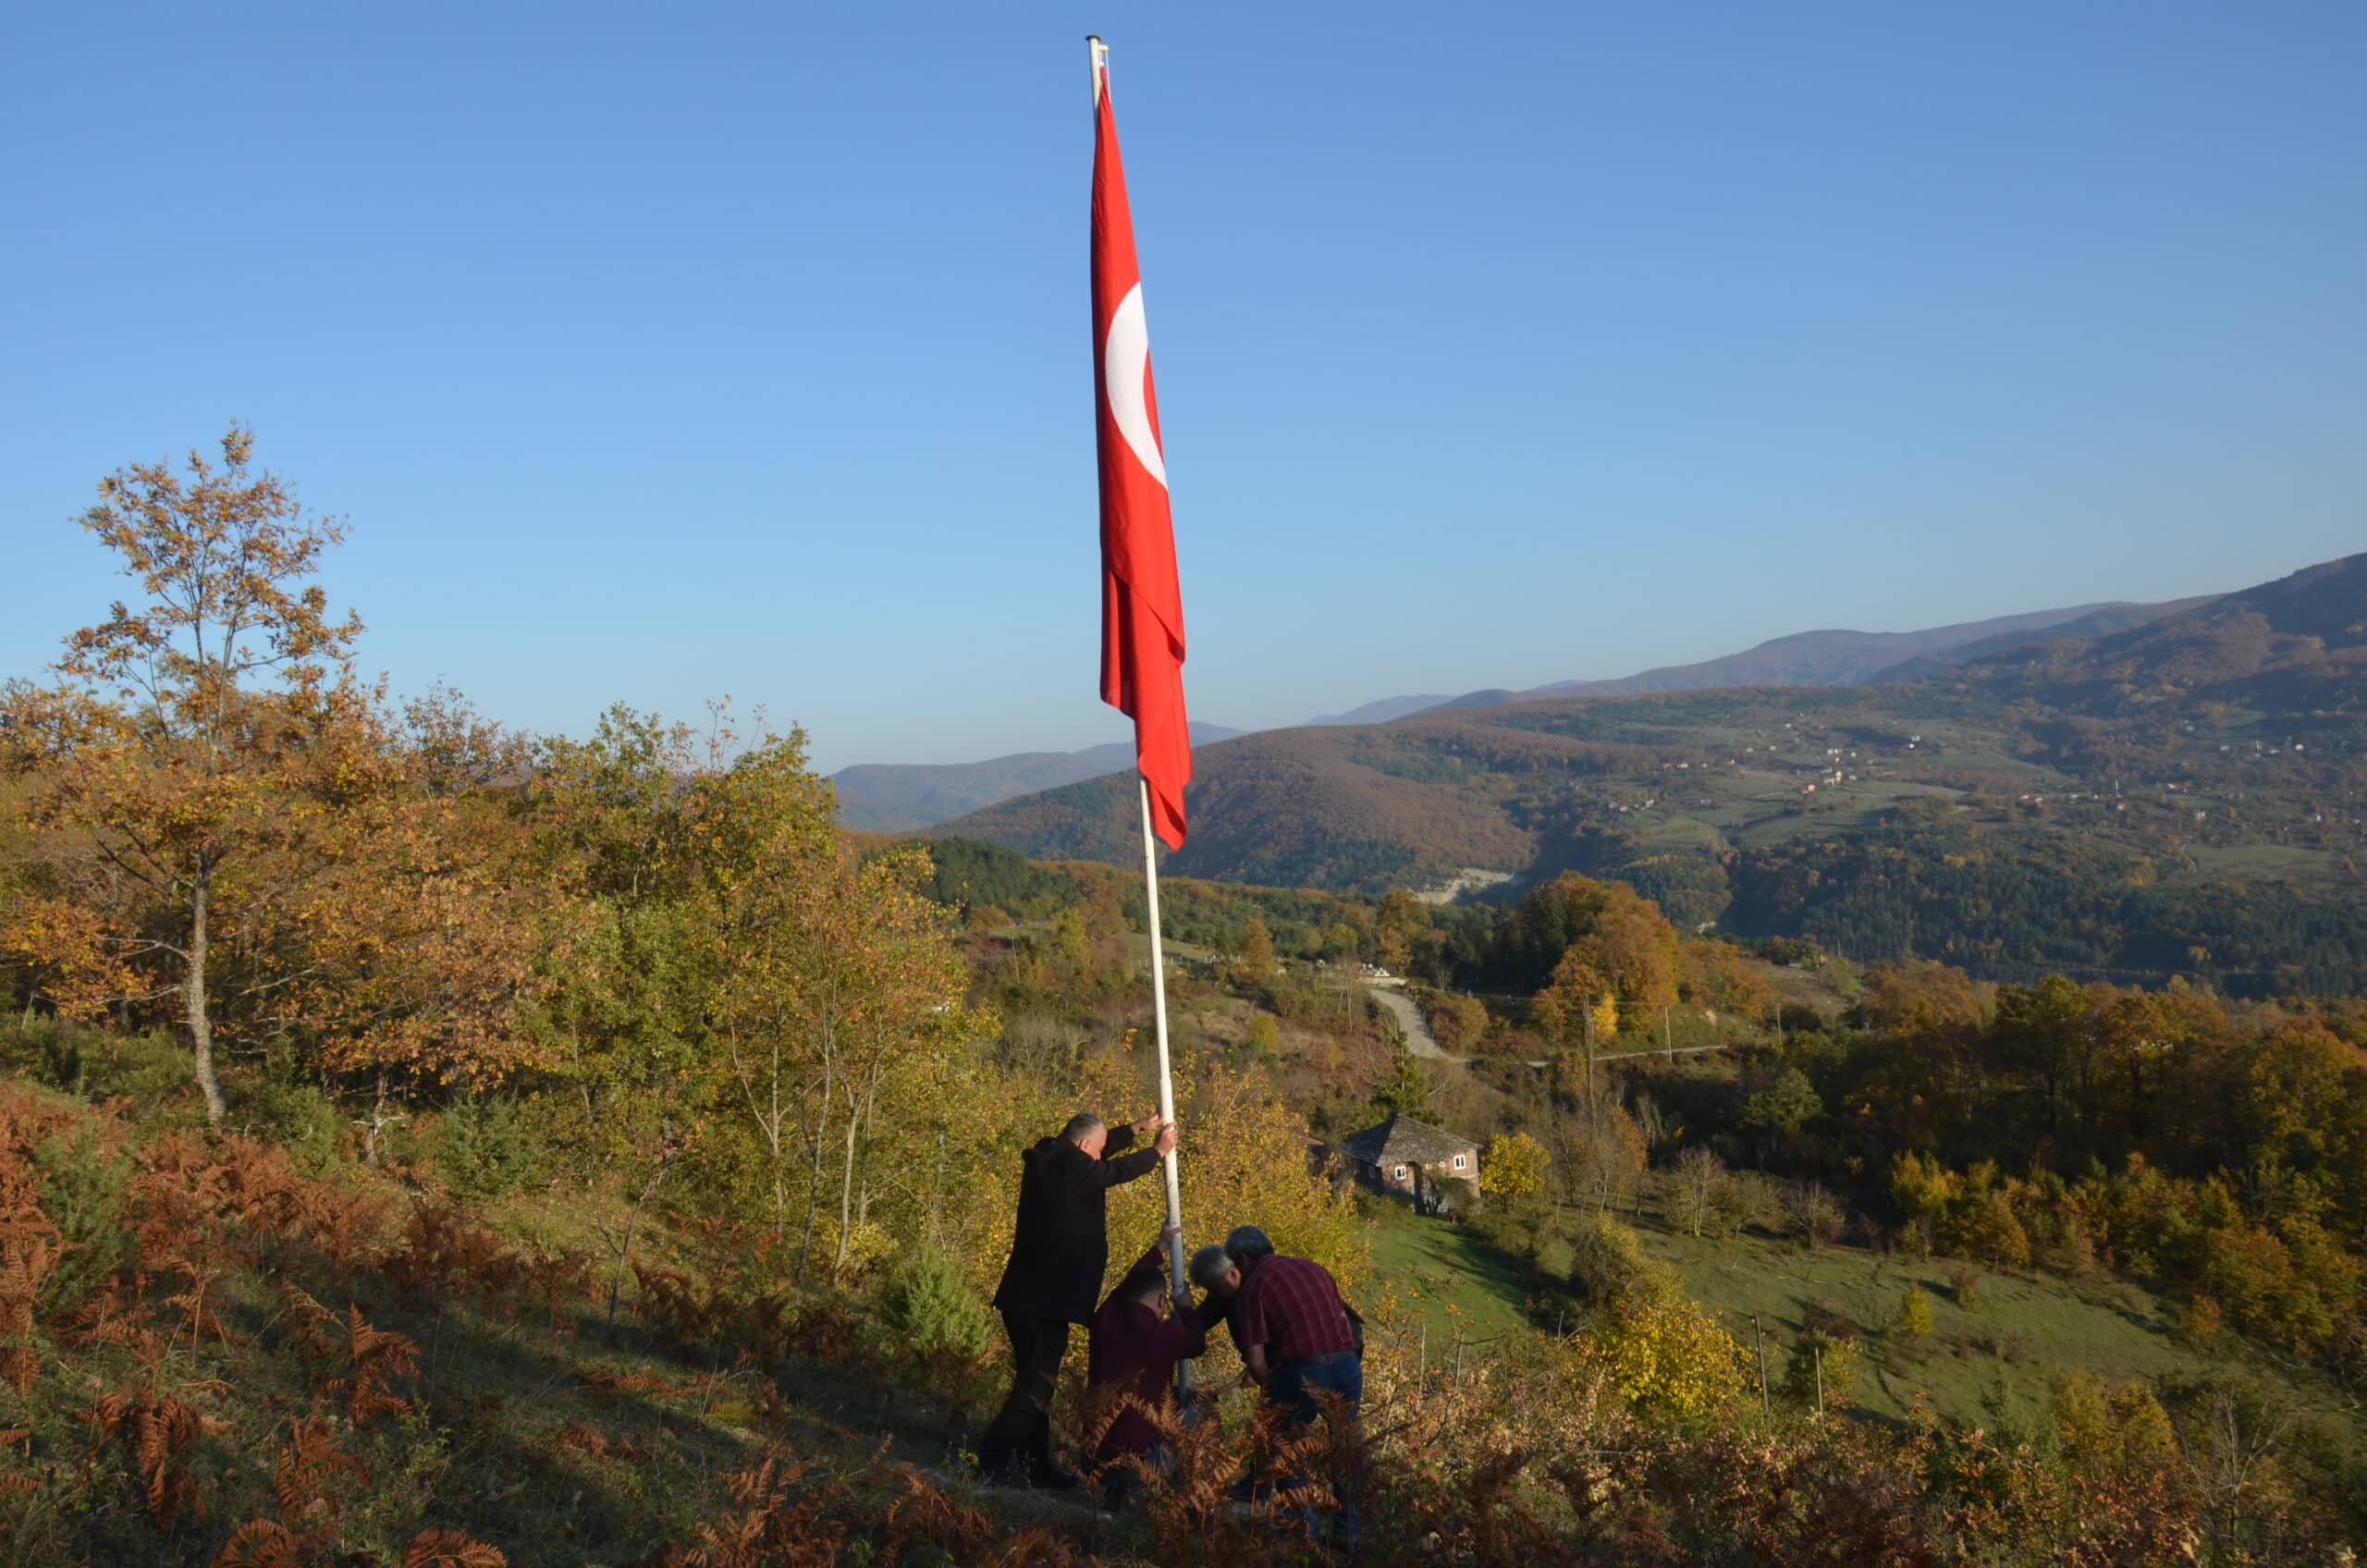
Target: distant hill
2100,621
1806,658
2115,803
1833,658
2297,645
897,797
1384,710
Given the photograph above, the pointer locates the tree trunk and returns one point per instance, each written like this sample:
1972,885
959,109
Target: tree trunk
815,1140
370,1154
846,1192
200,1026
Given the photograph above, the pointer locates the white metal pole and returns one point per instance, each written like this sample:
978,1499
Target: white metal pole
1159,1009
1166,1081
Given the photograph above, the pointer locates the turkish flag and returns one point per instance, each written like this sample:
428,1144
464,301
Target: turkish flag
1142,606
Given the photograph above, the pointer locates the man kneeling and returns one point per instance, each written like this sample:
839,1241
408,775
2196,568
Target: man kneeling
1297,1338
1138,1337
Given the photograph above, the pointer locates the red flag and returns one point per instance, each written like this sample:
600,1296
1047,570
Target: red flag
1142,607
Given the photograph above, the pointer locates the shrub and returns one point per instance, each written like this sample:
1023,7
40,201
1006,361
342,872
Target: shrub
1815,1214
1609,1268
1456,1194
1263,1042
1821,1372
99,1064
482,1147
1915,1313
1668,1358
293,1114
1826,1316
1964,1286
1458,1023
933,1310
1750,1201
82,1192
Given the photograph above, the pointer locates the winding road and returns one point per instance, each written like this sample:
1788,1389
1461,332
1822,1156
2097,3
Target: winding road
1418,1038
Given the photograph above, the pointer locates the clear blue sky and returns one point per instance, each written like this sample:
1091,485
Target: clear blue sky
662,352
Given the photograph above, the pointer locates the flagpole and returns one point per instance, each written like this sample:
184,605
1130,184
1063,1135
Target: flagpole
1166,1081
1097,56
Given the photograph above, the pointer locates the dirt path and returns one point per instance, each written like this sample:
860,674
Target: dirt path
1418,1038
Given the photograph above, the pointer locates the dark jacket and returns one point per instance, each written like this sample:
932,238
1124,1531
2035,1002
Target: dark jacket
1061,1243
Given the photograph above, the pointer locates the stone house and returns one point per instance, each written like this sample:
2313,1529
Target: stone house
1411,1159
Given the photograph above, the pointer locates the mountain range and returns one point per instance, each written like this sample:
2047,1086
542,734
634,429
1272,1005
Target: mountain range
894,797
1814,658
897,797
2201,769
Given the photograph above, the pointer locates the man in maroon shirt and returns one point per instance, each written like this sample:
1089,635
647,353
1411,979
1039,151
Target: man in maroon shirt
1133,1352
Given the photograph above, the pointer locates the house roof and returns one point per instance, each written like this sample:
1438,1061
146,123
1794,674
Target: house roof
1401,1139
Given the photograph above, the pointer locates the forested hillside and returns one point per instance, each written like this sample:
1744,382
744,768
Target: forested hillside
2186,796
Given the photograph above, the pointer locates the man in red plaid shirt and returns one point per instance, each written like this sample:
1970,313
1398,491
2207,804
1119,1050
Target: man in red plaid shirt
1296,1337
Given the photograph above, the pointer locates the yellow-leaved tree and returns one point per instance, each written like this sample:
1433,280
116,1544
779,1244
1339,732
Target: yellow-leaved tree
1515,1168
1667,1358
180,764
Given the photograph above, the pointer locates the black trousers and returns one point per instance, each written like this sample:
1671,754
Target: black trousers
1023,1427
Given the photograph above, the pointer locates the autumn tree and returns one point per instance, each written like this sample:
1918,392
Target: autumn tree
1403,921
179,749
1667,1358
431,938
1254,965
1600,1154
1574,1013
1697,1192
1515,1168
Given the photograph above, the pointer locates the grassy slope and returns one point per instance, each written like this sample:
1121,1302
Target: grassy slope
1442,1275
2027,1331
558,1441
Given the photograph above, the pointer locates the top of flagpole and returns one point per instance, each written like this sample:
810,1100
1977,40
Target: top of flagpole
1100,52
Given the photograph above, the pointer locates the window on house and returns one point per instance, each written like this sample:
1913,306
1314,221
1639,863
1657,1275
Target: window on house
1401,1173
1458,1162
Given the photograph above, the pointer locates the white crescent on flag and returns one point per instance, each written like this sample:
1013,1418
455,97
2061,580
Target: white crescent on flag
1125,370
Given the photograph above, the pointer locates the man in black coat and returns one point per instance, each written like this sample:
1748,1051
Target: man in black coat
1058,1252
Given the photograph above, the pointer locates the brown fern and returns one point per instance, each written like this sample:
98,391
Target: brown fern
584,1438
197,1313
442,1253
923,1512
373,1357
300,1477
25,1265
449,1548
155,1434
263,1543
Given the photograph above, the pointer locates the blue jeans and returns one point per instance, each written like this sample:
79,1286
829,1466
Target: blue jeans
1292,1389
